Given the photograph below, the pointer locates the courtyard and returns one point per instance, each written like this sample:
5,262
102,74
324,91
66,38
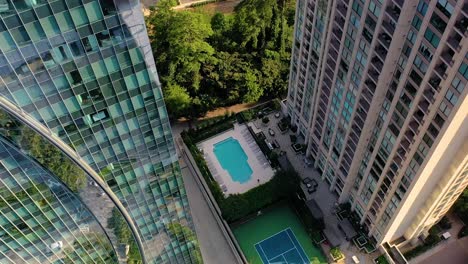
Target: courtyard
236,171
326,199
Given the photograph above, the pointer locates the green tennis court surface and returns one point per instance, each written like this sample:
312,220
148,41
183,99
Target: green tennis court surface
282,247
277,236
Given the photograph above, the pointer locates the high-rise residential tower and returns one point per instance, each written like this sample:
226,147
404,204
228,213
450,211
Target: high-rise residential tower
378,92
87,158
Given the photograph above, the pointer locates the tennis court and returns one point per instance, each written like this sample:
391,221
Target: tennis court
282,247
277,236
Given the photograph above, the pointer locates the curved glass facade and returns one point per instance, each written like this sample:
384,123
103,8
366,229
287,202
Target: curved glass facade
84,72
41,220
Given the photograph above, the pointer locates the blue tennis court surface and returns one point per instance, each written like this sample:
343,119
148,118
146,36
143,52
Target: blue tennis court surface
282,247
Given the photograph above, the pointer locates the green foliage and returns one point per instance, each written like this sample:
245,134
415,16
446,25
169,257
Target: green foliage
199,133
237,206
177,100
461,206
222,60
134,256
463,232
312,224
265,120
336,253
381,260
431,240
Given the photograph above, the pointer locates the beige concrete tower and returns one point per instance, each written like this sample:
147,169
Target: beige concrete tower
378,92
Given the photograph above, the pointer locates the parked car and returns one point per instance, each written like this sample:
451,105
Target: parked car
271,132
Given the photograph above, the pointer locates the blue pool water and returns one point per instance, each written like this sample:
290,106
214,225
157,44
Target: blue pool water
232,158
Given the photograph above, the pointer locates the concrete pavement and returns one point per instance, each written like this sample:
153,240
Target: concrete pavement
454,251
213,245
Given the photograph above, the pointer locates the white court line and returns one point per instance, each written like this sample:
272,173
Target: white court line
272,236
295,246
260,246
281,254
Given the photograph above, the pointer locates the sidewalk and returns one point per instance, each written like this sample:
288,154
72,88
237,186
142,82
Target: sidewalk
453,251
213,245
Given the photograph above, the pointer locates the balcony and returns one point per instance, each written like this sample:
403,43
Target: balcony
381,51
399,2
409,135
454,41
374,74
434,81
389,27
462,25
342,9
429,94
393,12
377,63
419,116
385,39
447,56
441,68
423,105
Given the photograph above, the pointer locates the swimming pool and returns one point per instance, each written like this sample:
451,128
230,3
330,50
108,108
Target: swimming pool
232,158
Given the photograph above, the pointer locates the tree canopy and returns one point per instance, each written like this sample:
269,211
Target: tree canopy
206,61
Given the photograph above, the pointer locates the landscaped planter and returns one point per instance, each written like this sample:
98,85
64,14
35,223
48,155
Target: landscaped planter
318,237
336,254
370,248
283,127
381,260
360,242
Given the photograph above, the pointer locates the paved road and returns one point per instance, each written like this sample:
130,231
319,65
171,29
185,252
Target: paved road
214,247
454,252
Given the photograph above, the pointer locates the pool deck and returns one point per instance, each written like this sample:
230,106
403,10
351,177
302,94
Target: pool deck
262,171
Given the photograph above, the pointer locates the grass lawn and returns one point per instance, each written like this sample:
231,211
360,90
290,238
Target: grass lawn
270,223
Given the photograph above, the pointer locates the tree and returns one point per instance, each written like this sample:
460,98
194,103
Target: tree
461,206
177,99
252,21
251,88
180,46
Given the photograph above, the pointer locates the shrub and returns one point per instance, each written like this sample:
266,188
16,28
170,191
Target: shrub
381,260
238,206
265,120
431,240
444,223
463,232
311,223
336,253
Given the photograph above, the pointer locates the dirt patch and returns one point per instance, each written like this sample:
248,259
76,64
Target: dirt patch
225,7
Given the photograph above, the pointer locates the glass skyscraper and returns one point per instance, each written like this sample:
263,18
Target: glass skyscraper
83,124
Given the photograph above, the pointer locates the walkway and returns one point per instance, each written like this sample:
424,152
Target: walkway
454,251
214,247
